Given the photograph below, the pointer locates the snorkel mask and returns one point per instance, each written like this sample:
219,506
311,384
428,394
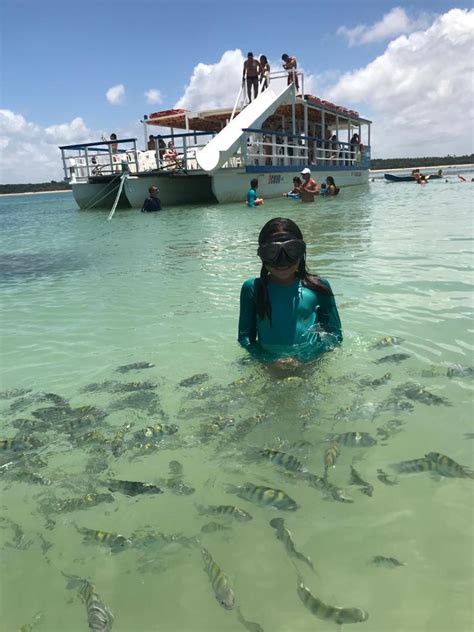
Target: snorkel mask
283,252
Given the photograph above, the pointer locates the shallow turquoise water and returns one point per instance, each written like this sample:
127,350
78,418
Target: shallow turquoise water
82,296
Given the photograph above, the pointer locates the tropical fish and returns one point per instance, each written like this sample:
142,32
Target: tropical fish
14,445
326,612
218,424
29,627
19,541
458,370
390,428
76,424
417,393
219,582
330,457
265,496
176,469
134,367
146,537
176,486
356,479
133,488
82,502
469,435
374,382
288,461
194,380
251,626
133,387
385,478
94,436
115,541
381,560
415,465
336,493
116,444
212,527
14,392
284,534
99,617
447,466
53,414
225,510
394,358
395,405
355,439
158,430
387,341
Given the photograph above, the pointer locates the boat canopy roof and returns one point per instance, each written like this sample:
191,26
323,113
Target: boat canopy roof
215,120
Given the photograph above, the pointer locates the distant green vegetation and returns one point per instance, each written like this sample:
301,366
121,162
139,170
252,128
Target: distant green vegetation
404,163
35,188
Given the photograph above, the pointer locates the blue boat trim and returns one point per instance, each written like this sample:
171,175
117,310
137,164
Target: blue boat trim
297,169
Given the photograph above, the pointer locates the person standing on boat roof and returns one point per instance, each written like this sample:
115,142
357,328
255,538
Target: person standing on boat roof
264,72
153,202
151,145
250,72
291,65
113,146
309,188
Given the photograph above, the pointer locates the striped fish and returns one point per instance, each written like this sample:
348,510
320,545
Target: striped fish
288,461
225,510
355,439
356,479
330,457
381,560
99,617
447,466
219,582
336,493
265,496
284,535
415,465
14,445
113,540
326,612
133,488
385,478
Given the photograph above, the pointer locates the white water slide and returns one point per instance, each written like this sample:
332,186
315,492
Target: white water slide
220,148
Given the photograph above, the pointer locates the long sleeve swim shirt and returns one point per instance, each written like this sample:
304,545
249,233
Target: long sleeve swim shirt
304,323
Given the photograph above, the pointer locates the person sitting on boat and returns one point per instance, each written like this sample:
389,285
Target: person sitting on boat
171,155
291,65
152,202
332,189
355,148
309,188
151,145
250,72
252,199
297,182
264,72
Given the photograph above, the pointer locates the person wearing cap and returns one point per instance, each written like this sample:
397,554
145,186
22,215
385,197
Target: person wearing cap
287,315
153,202
250,72
309,188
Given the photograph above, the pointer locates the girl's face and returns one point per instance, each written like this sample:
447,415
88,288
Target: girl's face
284,275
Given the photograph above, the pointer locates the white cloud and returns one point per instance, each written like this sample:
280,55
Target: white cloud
214,85
419,90
153,96
30,152
395,22
116,94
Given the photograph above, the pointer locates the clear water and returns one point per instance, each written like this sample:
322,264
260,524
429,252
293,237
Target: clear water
82,296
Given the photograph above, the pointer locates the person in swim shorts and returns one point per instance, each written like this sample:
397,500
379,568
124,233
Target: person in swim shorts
251,72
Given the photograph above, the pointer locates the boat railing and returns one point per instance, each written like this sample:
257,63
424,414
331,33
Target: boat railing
263,83
104,158
177,152
271,148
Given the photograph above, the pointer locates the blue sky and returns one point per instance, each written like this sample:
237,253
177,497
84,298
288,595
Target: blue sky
59,58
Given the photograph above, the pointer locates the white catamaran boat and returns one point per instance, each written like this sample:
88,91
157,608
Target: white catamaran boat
218,152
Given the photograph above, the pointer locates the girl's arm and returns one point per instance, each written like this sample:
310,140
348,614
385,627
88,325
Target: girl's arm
248,315
328,316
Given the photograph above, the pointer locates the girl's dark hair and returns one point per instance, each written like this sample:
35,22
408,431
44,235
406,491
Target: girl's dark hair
254,183
263,59
288,230
330,181
297,180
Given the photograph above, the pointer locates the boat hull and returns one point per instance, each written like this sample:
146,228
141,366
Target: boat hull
98,195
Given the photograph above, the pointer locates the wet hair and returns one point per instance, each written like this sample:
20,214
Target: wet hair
284,56
263,59
282,229
254,183
113,136
151,137
152,188
330,182
297,180
250,54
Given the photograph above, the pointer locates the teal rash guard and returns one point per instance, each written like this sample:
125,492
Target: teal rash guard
251,197
304,323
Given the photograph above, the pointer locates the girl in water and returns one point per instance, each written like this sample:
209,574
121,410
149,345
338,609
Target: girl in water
287,315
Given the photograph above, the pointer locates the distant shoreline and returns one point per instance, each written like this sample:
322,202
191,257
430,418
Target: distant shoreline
36,192
443,167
